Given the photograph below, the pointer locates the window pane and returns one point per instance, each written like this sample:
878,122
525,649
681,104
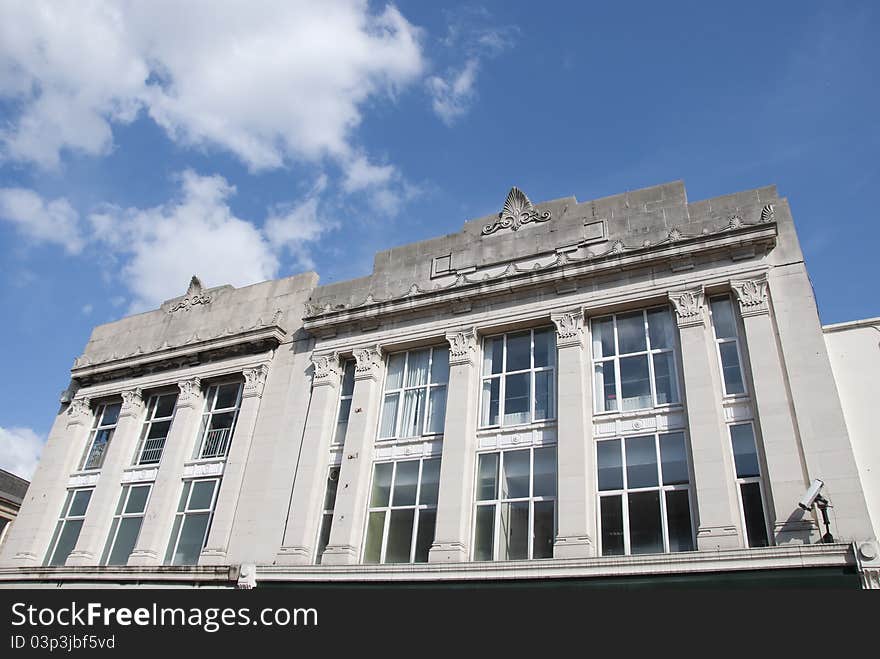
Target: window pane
612,526
544,404
169,553
641,462
405,483
425,534
389,415
516,398
121,501
107,546
430,482
400,531
324,538
487,476
722,318
515,483
660,330
227,396
606,388
603,337
332,484
678,518
202,493
519,348
181,506
437,409
484,533
348,377
753,511
137,499
394,379
545,532
111,414
610,465
222,420
514,531
342,423
375,528
129,527
66,541
95,458
493,352
664,379
673,459
165,406
159,430
635,385
440,366
413,413
745,455
381,485
545,472
645,532
80,503
545,347
192,539
417,368
631,332
491,394
733,381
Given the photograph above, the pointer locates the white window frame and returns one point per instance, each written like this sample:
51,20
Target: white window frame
501,376
650,352
343,397
325,513
209,412
63,520
759,479
121,514
497,502
736,340
660,487
401,395
97,428
180,516
417,507
151,418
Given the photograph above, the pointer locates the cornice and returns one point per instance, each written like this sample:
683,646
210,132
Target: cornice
547,267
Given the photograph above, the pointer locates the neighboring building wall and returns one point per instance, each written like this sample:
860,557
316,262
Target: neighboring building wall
854,350
12,491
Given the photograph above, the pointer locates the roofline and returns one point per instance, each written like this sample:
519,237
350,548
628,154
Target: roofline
851,324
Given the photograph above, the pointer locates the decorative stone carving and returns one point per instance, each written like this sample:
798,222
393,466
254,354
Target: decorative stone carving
194,296
870,579
462,346
752,296
768,213
255,380
190,392
247,577
80,410
132,402
518,210
569,328
326,369
688,306
368,362
734,222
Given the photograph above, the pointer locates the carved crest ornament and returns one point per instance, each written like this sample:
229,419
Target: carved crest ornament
193,296
518,210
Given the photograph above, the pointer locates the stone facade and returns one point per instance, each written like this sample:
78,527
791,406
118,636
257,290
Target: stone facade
629,386
12,491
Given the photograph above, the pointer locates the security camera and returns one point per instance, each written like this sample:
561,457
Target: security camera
812,495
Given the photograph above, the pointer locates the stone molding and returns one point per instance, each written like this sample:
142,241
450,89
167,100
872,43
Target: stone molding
132,402
327,369
462,346
368,363
254,380
569,328
79,411
190,392
689,307
751,294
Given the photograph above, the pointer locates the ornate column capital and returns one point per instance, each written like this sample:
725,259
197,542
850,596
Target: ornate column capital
327,369
752,296
80,411
569,328
190,392
254,380
689,306
462,346
132,402
368,363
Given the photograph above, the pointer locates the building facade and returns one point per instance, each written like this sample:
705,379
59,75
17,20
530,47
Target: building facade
631,388
12,491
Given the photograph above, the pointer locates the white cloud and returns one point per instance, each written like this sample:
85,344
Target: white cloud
271,82
451,98
53,221
20,451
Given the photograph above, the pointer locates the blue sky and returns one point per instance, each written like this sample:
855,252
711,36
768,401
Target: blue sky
142,143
